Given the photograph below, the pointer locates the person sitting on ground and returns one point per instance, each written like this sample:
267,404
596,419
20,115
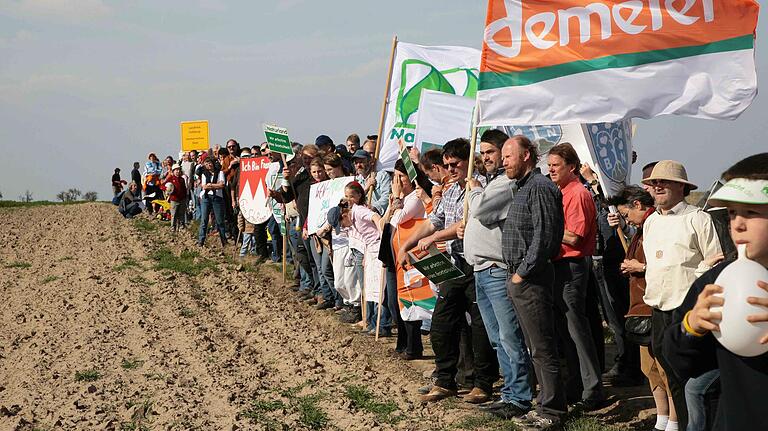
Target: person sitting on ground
130,203
689,343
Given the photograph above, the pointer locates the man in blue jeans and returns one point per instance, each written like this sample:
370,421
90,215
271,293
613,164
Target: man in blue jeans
212,199
482,249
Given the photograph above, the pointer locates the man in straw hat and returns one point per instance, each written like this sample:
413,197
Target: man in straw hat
680,244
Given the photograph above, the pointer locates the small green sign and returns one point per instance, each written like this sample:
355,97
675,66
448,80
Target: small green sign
277,139
437,267
409,167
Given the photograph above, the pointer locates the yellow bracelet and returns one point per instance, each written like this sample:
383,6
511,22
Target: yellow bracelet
688,328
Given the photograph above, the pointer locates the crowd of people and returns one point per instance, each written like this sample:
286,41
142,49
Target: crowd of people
546,260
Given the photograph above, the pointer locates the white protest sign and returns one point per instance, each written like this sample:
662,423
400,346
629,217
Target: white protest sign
254,202
323,196
442,117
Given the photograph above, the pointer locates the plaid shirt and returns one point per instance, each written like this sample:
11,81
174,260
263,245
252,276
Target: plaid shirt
534,227
450,211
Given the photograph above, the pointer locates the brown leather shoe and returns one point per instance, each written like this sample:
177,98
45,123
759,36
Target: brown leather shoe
477,396
437,393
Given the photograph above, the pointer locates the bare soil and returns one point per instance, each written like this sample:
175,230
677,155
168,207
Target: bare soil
94,337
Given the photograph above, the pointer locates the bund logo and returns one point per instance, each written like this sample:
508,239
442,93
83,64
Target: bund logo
418,75
610,143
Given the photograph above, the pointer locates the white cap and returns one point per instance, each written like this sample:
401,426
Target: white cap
743,191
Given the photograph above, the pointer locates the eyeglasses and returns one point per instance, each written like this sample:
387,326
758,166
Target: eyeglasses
454,165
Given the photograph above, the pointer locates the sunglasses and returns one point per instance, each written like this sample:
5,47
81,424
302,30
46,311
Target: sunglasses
454,165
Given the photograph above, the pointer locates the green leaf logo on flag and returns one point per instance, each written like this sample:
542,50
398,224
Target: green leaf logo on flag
410,92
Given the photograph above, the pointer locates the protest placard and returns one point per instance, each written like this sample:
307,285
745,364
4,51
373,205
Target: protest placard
434,264
277,139
409,167
194,135
274,182
442,117
323,196
416,296
254,200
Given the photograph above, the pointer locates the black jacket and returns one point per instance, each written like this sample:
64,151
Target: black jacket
743,381
301,183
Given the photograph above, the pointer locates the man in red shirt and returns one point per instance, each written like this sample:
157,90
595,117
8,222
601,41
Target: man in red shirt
572,272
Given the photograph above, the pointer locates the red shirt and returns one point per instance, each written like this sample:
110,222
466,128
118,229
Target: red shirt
179,188
580,218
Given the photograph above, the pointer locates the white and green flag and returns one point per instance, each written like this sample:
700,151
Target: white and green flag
446,69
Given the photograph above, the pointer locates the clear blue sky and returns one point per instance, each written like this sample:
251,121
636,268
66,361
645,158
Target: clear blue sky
90,85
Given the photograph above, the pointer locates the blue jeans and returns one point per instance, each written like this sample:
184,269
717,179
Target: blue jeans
505,335
196,200
324,266
695,390
249,245
215,204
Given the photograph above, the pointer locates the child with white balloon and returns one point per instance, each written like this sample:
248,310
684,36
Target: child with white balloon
724,318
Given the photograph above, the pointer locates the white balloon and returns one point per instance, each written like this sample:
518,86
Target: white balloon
739,281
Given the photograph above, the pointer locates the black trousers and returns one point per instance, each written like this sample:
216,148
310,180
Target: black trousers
660,320
533,300
408,333
614,298
573,329
455,299
260,236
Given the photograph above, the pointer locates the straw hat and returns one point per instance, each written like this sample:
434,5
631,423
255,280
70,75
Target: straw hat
670,170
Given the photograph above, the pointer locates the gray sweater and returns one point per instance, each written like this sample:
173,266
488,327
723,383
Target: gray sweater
482,241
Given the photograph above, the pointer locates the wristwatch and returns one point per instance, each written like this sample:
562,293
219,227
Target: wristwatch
593,183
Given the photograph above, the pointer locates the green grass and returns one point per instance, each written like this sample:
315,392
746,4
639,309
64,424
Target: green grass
310,414
588,424
484,422
144,225
258,410
18,265
131,363
49,279
87,375
187,262
363,399
128,263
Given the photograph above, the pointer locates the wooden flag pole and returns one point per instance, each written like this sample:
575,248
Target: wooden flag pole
384,104
471,167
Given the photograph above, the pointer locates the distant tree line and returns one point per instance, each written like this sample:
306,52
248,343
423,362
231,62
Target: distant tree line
73,195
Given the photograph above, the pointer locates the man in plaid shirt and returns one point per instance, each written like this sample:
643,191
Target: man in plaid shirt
455,297
530,240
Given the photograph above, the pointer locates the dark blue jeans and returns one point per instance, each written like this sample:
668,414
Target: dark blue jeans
215,204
